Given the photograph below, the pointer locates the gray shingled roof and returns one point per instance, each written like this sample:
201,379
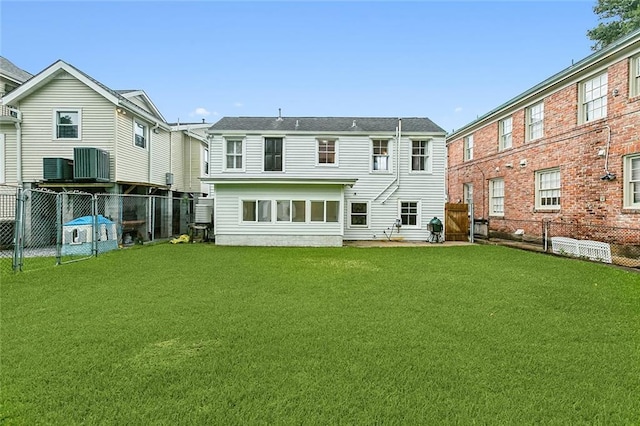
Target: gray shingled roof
326,124
10,70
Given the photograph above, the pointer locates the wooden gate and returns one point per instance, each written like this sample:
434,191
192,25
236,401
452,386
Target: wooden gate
456,222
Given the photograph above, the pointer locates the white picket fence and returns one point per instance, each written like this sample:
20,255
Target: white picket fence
593,250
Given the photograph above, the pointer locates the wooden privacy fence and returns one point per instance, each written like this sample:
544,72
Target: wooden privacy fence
456,222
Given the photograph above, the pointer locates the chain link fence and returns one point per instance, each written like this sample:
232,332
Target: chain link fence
624,242
41,228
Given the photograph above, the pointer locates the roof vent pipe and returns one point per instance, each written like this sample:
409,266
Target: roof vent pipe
279,114
354,124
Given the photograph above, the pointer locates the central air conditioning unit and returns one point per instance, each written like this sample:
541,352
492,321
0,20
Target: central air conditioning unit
57,169
91,164
204,211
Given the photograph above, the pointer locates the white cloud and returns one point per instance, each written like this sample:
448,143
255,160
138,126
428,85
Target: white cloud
201,111
458,109
238,104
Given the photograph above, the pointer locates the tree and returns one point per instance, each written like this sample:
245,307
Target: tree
619,17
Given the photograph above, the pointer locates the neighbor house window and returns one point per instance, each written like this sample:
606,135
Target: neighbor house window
324,211
140,134
256,211
273,154
632,181
593,93
358,214
535,121
205,161
380,154
548,189
409,213
634,89
420,158
233,154
326,152
496,197
468,147
506,127
467,193
68,124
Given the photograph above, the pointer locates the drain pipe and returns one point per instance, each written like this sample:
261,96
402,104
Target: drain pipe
18,125
397,179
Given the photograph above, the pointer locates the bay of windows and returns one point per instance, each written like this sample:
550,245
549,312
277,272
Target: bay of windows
299,211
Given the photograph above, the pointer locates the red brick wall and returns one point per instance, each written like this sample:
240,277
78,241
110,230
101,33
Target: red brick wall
567,144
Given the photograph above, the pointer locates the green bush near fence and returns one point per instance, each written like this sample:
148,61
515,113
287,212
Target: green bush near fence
201,334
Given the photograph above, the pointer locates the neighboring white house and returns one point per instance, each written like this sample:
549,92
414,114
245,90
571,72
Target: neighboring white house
316,181
190,157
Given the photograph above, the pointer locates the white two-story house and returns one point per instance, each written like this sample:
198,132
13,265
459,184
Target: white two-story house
317,181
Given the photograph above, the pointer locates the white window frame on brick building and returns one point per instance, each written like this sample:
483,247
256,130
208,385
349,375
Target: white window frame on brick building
467,193
505,129
535,121
468,148
548,188
496,197
634,75
593,98
632,181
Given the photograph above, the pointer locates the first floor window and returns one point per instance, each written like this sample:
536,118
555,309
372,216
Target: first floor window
420,156
634,90
67,124
468,147
632,181
380,154
358,214
140,134
259,211
324,211
496,197
290,210
548,189
233,155
409,213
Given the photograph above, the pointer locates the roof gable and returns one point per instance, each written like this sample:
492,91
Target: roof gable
10,71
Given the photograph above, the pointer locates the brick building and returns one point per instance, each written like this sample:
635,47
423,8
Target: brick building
566,150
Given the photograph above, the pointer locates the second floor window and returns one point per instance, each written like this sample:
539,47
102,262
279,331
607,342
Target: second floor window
139,134
506,127
205,161
326,152
380,154
468,147
535,121
420,156
273,154
233,155
594,98
67,124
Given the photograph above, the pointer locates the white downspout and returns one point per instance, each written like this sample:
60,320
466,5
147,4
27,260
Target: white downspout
390,183
397,179
154,129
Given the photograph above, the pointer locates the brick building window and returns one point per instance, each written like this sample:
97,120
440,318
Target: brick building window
505,129
467,193
496,197
634,88
548,189
593,95
535,121
632,181
468,148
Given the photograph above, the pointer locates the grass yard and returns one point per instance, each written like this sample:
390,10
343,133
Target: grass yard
200,334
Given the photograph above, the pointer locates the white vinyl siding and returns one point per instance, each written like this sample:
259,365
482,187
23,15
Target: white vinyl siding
548,189
632,181
593,98
468,148
505,133
535,121
496,197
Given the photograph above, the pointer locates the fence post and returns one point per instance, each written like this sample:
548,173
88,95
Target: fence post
18,232
472,222
96,230
545,235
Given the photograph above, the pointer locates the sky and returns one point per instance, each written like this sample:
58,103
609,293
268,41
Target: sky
449,61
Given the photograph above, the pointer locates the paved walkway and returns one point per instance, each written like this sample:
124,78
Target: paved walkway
398,243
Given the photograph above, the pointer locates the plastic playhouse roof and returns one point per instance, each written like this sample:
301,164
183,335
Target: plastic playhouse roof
88,220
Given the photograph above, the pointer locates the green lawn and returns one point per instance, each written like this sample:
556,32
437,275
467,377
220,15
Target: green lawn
200,334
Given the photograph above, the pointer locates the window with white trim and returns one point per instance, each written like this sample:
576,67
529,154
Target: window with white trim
324,211
496,197
505,130
256,211
380,155
205,161
68,123
234,154
548,189
420,156
358,214
535,121
468,148
327,152
140,134
467,193
593,98
409,213
632,181
273,153
634,84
